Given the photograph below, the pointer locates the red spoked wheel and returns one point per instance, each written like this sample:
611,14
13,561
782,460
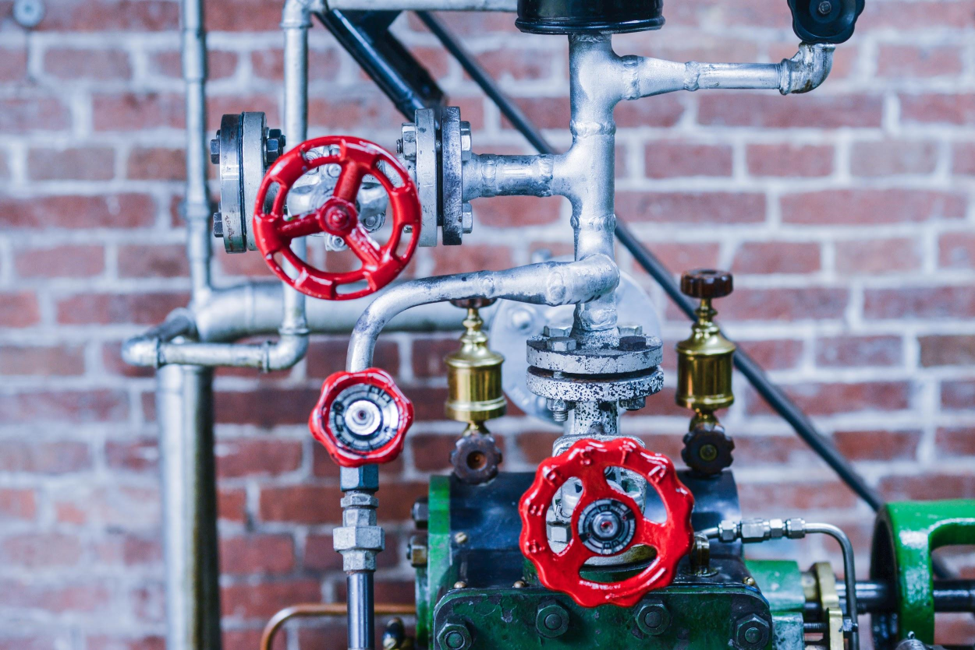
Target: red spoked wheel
361,418
338,216
605,521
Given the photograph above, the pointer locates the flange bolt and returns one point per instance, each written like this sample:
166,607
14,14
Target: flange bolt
454,636
751,632
653,618
552,620
215,149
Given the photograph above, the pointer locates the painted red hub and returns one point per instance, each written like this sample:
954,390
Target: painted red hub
338,216
588,460
361,418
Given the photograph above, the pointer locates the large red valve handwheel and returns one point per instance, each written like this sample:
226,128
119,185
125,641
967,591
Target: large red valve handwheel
606,521
338,216
361,418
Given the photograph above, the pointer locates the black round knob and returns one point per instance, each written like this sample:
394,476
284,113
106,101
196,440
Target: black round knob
707,449
706,284
472,303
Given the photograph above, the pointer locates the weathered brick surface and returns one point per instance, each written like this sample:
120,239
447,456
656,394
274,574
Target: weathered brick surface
846,215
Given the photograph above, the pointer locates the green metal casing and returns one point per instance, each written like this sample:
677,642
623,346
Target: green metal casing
904,536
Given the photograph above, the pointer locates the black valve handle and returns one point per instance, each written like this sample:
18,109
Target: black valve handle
825,21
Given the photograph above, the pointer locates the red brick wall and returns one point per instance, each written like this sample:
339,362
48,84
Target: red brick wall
846,215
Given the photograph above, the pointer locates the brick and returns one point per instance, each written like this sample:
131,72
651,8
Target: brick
60,597
536,446
899,61
956,250
789,160
232,505
755,451
41,550
327,356
958,395
916,303
138,455
79,406
947,350
67,261
276,407
806,303
17,503
775,354
871,207
22,115
13,64
247,457
111,15
113,505
509,63
676,159
428,355
322,466
963,158
78,212
509,211
877,256
301,504
893,157
127,549
323,65
321,556
938,109
546,112
104,642
832,399
928,487
469,258
398,509
167,261
427,402
19,309
858,351
55,360
431,452
907,15
776,257
85,164
60,457
659,112
685,256
878,445
691,207
952,442
257,555
370,112
70,64
36,641
221,64
138,111
803,495
792,111
156,164
241,16
105,308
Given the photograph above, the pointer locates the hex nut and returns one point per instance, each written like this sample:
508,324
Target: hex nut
454,635
554,330
562,344
653,618
552,620
420,512
215,149
416,551
466,142
409,141
752,632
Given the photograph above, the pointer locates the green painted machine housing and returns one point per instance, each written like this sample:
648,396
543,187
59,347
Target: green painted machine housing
904,537
702,613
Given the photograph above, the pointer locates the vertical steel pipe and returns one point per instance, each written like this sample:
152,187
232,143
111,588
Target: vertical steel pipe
184,402
362,636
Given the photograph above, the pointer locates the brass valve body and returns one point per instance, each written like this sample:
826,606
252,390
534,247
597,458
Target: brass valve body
474,393
705,360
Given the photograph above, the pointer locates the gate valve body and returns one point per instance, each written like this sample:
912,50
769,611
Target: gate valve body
606,521
338,216
361,418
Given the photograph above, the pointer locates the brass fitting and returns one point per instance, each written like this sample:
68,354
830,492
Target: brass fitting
474,393
705,360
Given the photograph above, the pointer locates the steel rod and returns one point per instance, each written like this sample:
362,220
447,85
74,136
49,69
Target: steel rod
322,610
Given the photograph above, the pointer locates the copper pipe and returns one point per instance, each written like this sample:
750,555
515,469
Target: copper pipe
316,610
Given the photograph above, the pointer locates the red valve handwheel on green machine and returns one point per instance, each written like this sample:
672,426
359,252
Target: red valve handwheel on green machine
606,521
361,418
338,216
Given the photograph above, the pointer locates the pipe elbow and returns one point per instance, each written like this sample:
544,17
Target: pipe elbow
141,351
289,350
296,14
808,69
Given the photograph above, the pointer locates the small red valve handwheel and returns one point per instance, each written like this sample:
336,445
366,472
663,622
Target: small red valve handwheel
606,521
361,418
338,216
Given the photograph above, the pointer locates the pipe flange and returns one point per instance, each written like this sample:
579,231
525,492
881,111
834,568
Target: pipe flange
419,145
451,178
243,149
634,353
556,386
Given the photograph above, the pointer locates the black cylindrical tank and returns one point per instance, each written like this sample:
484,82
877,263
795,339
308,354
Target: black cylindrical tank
589,16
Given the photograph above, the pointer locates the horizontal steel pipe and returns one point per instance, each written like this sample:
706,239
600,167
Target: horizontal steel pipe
549,283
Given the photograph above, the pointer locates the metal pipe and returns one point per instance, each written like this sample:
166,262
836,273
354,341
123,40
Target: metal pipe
184,401
487,175
196,207
549,283
849,576
320,610
359,588
510,6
